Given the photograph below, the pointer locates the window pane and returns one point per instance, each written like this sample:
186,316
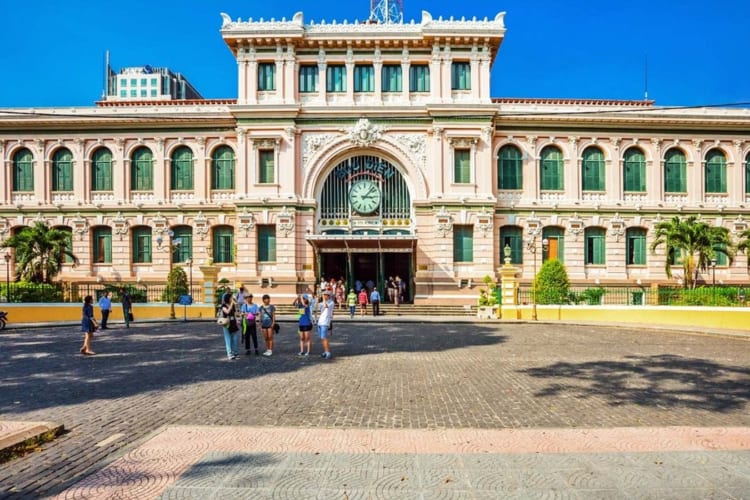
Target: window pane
62,170
223,245
391,79
551,169
182,169
634,170
636,246
267,76
716,172
266,169
364,79
461,76
308,78
593,170
101,170
266,243
419,78
223,168
23,171
595,246
510,168
511,236
463,243
102,245
555,243
336,78
461,166
142,167
185,250
675,171
142,245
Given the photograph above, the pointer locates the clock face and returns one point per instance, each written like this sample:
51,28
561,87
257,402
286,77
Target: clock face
364,196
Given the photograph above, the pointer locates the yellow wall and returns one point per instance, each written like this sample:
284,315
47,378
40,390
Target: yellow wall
732,318
39,313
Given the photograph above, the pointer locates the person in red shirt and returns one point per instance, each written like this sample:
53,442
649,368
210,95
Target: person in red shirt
363,302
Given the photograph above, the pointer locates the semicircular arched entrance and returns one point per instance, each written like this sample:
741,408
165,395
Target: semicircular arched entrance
364,223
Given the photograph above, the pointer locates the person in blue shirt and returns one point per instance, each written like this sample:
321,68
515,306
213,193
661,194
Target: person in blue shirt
375,301
105,306
249,313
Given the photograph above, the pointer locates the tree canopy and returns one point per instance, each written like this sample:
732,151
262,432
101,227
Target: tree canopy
39,252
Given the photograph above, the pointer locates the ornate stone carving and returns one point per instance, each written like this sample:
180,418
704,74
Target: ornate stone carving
617,227
444,222
201,141
290,133
266,142
160,223
241,133
533,225
484,222
415,143
487,133
311,143
39,143
463,142
2,146
285,221
364,133
80,226
120,143
575,225
246,221
437,132
739,225
200,225
120,225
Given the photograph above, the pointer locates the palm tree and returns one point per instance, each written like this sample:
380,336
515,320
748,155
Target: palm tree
695,241
40,251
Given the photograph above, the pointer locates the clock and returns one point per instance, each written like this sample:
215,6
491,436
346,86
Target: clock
364,196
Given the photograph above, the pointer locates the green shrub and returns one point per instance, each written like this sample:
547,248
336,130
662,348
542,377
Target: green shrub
177,280
25,291
137,293
488,296
551,283
219,292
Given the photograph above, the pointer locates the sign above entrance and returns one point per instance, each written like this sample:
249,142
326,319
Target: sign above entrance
370,165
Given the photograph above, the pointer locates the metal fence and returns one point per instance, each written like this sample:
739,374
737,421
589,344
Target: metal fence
729,296
75,292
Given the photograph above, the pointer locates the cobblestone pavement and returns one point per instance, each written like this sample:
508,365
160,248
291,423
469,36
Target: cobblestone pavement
407,376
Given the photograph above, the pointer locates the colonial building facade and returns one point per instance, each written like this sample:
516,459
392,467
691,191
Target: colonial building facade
368,150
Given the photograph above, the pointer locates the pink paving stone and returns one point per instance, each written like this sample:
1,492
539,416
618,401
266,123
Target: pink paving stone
149,470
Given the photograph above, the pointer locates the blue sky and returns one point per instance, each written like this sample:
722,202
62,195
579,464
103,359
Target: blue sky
53,52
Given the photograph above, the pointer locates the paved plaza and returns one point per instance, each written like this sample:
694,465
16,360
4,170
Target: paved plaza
407,410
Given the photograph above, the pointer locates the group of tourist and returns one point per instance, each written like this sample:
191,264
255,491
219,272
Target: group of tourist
89,324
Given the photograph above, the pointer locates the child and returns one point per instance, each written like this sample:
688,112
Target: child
305,326
249,313
267,321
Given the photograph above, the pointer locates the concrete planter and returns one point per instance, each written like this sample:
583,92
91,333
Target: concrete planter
488,312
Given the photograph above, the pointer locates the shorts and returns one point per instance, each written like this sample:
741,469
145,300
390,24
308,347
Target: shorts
323,331
306,328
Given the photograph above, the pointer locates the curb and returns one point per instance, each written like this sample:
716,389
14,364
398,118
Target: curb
29,431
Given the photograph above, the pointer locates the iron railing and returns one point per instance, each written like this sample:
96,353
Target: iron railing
76,292
723,296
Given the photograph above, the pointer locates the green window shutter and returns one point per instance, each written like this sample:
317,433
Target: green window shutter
419,78
716,172
461,76
747,174
185,250
634,170
593,170
102,245
266,166
675,172
141,245
336,78
266,243
142,170
463,243
551,166
23,171
182,169
461,166
267,76
510,168
391,78
636,246
364,78
595,251
721,258
222,161
62,170
512,236
223,240
308,78
101,170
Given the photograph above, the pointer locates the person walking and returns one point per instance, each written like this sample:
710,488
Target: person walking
391,290
249,313
105,306
230,327
324,322
88,325
397,292
241,296
362,302
351,300
267,323
375,301
305,325
127,307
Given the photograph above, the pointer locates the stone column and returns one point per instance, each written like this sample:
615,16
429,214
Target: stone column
435,78
508,290
405,76
210,277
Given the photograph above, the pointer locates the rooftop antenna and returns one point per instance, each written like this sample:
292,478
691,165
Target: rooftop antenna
645,77
387,11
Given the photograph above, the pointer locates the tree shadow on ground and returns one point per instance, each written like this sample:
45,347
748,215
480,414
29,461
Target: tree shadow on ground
665,381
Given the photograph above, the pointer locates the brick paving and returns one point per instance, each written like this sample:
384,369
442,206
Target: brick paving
383,376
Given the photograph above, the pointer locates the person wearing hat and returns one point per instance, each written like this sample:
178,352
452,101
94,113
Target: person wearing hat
324,322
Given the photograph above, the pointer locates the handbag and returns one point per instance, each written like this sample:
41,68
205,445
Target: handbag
276,328
222,321
232,325
130,316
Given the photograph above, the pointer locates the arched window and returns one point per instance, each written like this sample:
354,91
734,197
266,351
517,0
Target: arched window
716,172
101,170
675,172
223,243
509,168
635,246
101,239
592,166
142,170
184,251
551,169
595,250
222,168
747,174
141,245
62,170
181,175
555,237
634,171
511,236
23,170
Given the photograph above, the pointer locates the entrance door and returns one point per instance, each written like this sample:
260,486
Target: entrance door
365,267
399,264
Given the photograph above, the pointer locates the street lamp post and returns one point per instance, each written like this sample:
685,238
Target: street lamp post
173,245
713,285
7,276
189,264
531,246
